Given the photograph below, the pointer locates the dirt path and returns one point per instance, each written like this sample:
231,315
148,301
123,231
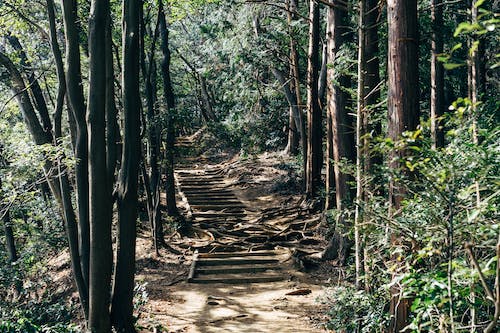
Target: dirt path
239,243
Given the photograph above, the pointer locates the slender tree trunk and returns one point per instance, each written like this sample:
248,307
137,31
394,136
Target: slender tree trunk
101,253
340,131
112,130
475,87
314,137
154,135
293,130
372,85
34,87
207,101
299,118
403,111
170,98
323,75
77,107
123,289
289,94
437,75
361,151
71,222
61,77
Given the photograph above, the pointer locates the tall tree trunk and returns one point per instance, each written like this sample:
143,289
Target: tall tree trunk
170,98
77,107
101,253
152,181
361,148
293,128
437,75
112,130
340,131
123,288
475,86
314,137
403,111
372,84
71,223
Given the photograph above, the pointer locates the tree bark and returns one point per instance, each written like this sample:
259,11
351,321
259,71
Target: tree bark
71,223
100,213
61,77
152,181
437,75
34,87
123,288
77,108
403,111
112,130
10,242
170,98
314,137
372,84
293,128
340,130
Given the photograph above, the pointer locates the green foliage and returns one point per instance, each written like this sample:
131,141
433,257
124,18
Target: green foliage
219,43
355,310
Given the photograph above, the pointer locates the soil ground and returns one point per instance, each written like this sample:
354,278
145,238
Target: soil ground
261,182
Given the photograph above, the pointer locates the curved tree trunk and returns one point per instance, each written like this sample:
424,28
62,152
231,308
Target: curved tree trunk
77,108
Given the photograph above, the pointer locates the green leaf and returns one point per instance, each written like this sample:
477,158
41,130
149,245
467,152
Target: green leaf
456,47
451,66
479,3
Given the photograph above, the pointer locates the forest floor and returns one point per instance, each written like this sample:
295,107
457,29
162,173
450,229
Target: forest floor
262,183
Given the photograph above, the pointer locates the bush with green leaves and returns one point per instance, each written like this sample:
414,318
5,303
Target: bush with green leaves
355,310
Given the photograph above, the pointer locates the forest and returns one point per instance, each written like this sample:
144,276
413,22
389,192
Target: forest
249,166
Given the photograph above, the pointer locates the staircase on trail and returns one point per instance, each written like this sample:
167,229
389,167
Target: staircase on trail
213,206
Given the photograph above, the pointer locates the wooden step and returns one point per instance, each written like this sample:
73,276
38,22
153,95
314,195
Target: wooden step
219,214
236,261
215,201
239,254
215,192
237,279
215,197
210,270
227,208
